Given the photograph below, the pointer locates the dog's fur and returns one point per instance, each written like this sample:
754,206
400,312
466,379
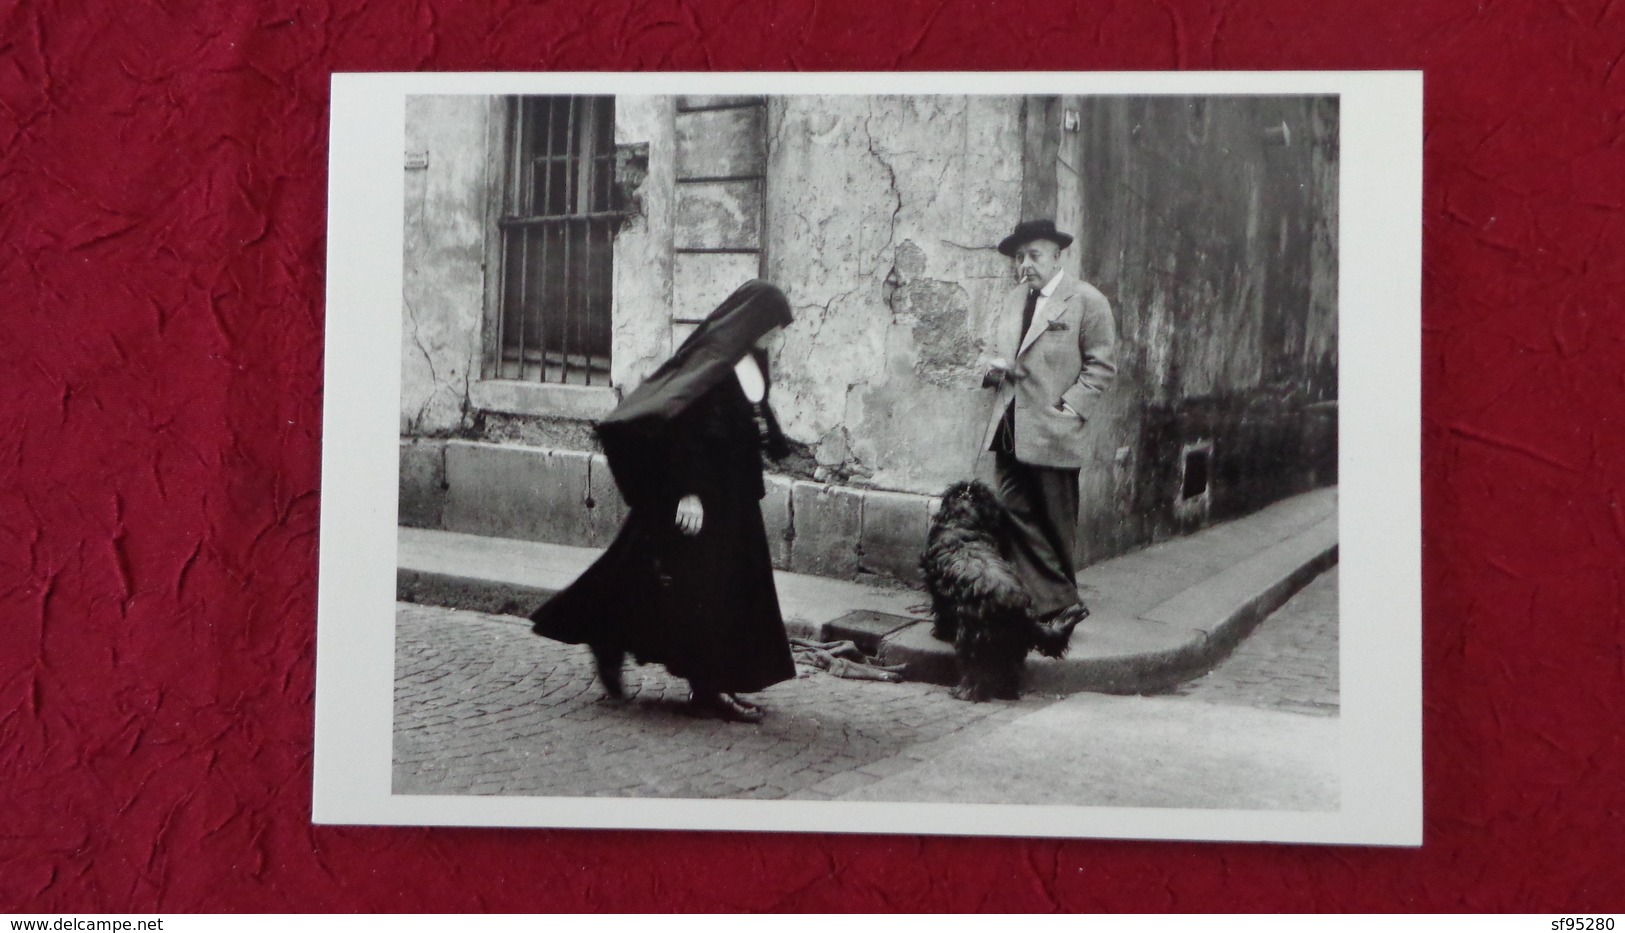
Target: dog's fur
977,600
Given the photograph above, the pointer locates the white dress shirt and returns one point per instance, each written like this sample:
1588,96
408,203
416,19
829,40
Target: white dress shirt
1043,299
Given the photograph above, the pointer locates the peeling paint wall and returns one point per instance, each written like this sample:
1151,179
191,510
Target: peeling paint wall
1215,238
443,296
883,214
643,245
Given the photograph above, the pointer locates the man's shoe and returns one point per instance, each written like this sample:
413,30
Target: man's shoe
1055,635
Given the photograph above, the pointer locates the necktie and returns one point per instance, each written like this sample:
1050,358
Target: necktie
1004,440
1027,312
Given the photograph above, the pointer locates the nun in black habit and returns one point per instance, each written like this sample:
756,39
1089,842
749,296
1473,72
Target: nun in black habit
688,581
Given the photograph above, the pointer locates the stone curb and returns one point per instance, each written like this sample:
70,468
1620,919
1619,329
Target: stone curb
499,597
1176,640
1185,636
509,577
443,589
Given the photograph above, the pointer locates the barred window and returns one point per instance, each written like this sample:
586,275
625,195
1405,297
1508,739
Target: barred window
558,229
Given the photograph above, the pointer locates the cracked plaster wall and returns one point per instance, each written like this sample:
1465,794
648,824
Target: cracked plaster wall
643,245
443,287
883,216
1217,251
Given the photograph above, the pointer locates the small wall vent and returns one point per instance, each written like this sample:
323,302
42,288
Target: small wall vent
1195,481
1198,462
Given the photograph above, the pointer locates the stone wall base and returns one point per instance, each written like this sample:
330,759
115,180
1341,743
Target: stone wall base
569,497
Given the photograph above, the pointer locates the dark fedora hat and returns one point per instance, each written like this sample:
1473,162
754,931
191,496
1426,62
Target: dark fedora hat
1030,230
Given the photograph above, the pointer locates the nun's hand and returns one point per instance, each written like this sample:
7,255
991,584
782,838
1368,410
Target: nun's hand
690,515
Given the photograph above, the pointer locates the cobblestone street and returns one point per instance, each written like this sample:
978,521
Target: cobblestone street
1288,663
482,706
1260,732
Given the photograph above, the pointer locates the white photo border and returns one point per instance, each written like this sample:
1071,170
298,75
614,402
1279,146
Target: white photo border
1379,450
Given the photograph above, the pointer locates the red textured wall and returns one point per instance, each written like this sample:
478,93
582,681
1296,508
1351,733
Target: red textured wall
162,189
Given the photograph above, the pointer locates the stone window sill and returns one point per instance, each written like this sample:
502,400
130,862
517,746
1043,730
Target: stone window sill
581,403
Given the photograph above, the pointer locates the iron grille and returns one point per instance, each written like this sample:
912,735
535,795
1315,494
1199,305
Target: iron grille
558,231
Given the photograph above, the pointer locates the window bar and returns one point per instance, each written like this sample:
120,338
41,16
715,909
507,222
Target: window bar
608,323
520,186
525,193
541,305
583,320
589,164
574,338
572,165
601,147
725,105
546,207
589,321
594,275
564,372
556,219
714,250
588,302
511,112
547,183
579,322
579,296
761,197
523,302
510,301
572,299
606,200
602,256
718,179
559,316
606,272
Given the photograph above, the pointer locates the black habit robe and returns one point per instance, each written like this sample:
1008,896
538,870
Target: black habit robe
704,605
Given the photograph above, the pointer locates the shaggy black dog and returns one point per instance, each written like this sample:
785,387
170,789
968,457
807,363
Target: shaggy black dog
976,598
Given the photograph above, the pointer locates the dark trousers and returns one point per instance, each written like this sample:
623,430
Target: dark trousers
1042,503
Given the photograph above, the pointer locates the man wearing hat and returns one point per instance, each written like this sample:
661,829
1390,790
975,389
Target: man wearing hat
1060,336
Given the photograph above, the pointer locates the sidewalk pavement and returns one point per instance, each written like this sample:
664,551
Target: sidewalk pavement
1159,616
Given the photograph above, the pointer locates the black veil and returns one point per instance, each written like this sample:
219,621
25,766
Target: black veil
638,435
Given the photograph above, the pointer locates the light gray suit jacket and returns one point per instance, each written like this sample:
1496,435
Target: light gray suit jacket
1067,356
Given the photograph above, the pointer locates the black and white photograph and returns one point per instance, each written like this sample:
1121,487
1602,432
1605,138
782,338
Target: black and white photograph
980,454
